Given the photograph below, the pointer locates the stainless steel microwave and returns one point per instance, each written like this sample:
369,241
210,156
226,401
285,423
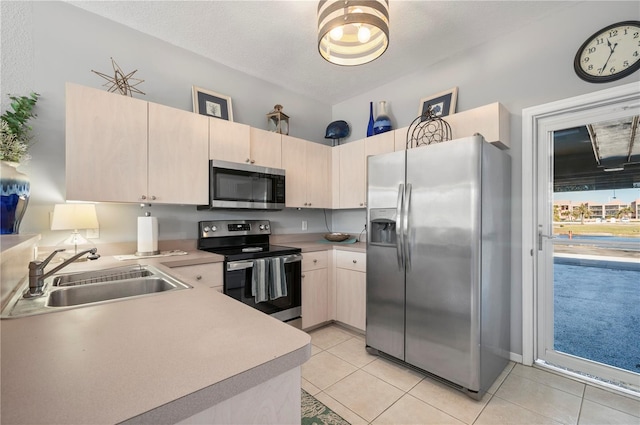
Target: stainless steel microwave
245,186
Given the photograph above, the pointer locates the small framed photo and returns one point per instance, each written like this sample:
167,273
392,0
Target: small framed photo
442,104
206,102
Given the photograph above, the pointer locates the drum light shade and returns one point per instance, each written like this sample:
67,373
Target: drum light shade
353,32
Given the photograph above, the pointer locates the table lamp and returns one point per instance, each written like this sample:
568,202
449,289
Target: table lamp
74,217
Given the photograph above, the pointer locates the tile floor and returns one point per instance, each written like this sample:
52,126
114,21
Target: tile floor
366,389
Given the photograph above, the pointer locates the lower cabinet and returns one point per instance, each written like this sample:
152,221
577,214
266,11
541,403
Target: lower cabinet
210,274
315,293
351,288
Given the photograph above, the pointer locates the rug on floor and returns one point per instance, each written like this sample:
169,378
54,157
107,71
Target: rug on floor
316,413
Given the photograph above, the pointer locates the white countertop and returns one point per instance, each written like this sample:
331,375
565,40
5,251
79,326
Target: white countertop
156,358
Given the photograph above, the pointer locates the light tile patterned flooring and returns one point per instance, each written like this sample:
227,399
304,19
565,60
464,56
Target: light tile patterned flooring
367,389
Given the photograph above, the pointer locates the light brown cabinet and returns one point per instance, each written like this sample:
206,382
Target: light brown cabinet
308,172
235,142
315,291
352,168
210,274
229,141
351,288
265,148
121,149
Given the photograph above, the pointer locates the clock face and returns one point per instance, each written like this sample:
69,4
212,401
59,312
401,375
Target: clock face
610,54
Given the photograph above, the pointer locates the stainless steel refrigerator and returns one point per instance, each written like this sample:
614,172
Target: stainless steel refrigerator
438,260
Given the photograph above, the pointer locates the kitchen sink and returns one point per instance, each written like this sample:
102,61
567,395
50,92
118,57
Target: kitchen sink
68,291
108,291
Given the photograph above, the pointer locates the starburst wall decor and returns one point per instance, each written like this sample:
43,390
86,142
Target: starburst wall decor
121,82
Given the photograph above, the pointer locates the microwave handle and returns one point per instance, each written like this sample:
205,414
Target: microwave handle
247,264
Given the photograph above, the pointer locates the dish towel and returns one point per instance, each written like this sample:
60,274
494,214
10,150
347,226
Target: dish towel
278,281
259,279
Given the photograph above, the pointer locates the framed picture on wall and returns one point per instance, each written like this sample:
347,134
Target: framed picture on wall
206,102
442,104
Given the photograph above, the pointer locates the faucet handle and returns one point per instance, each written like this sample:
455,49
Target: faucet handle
34,265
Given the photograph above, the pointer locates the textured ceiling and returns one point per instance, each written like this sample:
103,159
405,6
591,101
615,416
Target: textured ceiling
278,38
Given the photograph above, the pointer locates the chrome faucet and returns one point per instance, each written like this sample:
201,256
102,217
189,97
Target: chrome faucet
37,274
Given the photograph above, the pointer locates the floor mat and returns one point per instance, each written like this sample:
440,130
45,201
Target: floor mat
316,413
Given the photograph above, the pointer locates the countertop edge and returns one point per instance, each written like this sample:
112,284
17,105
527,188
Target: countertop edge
198,401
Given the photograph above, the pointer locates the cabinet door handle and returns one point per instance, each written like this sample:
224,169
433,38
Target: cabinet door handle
199,277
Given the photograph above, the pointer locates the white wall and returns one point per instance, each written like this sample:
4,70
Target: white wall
45,44
528,67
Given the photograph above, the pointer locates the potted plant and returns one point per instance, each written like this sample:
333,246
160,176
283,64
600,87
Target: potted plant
15,139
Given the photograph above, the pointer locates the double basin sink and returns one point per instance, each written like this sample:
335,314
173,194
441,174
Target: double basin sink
67,291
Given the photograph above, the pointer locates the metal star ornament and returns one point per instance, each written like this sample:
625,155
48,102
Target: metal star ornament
121,82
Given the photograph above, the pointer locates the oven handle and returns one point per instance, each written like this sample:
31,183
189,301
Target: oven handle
246,264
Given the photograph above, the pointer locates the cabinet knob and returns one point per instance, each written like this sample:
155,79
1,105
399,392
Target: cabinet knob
302,276
309,203
361,204
143,197
315,260
199,277
247,160
253,161
153,197
355,261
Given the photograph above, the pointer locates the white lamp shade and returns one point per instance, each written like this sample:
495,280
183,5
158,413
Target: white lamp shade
74,216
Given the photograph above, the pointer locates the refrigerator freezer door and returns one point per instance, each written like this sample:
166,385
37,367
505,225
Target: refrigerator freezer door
442,305
385,279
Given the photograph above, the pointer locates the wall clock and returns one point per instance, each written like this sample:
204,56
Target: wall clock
610,54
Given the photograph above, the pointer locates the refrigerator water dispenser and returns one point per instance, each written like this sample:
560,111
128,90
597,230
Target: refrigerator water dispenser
383,226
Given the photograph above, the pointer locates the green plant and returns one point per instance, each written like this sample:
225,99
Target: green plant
15,137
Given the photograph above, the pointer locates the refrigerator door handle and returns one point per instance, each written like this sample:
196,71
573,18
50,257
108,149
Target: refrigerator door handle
399,231
407,226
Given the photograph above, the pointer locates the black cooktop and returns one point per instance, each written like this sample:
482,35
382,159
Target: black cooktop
251,252
240,239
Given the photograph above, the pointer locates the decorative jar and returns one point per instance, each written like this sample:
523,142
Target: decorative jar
382,123
14,197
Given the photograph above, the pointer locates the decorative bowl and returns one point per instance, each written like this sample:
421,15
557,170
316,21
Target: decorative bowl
336,237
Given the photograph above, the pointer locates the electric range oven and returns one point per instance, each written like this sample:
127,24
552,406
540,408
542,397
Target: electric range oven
241,242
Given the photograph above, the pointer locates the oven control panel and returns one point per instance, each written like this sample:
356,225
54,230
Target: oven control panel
226,228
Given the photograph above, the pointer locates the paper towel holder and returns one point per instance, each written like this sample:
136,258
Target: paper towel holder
147,235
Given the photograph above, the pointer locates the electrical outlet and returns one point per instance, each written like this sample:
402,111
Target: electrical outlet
304,224
93,233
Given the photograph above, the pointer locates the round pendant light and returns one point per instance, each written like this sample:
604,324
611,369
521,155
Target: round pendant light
353,32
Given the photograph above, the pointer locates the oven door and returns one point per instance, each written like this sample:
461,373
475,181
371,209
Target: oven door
237,284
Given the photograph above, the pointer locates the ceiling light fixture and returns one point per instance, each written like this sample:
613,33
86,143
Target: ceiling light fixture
353,32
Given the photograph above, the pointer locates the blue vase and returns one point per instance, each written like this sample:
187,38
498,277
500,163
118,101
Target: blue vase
382,123
14,197
370,126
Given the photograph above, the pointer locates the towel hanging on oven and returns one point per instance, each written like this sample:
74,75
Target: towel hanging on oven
278,281
268,279
259,278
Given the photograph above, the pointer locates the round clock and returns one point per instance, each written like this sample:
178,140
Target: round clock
610,54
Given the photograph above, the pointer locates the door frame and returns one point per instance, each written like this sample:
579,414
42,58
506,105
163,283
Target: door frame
538,123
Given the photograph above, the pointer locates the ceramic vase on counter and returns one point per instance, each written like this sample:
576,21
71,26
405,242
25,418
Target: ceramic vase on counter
370,126
14,190
382,123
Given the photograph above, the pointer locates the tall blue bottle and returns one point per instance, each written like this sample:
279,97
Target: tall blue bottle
382,123
370,126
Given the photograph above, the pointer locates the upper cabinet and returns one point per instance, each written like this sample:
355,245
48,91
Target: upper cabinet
308,173
178,148
351,164
121,149
266,148
229,141
235,142
106,146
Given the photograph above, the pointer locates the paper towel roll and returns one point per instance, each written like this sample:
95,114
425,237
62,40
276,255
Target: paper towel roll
147,236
